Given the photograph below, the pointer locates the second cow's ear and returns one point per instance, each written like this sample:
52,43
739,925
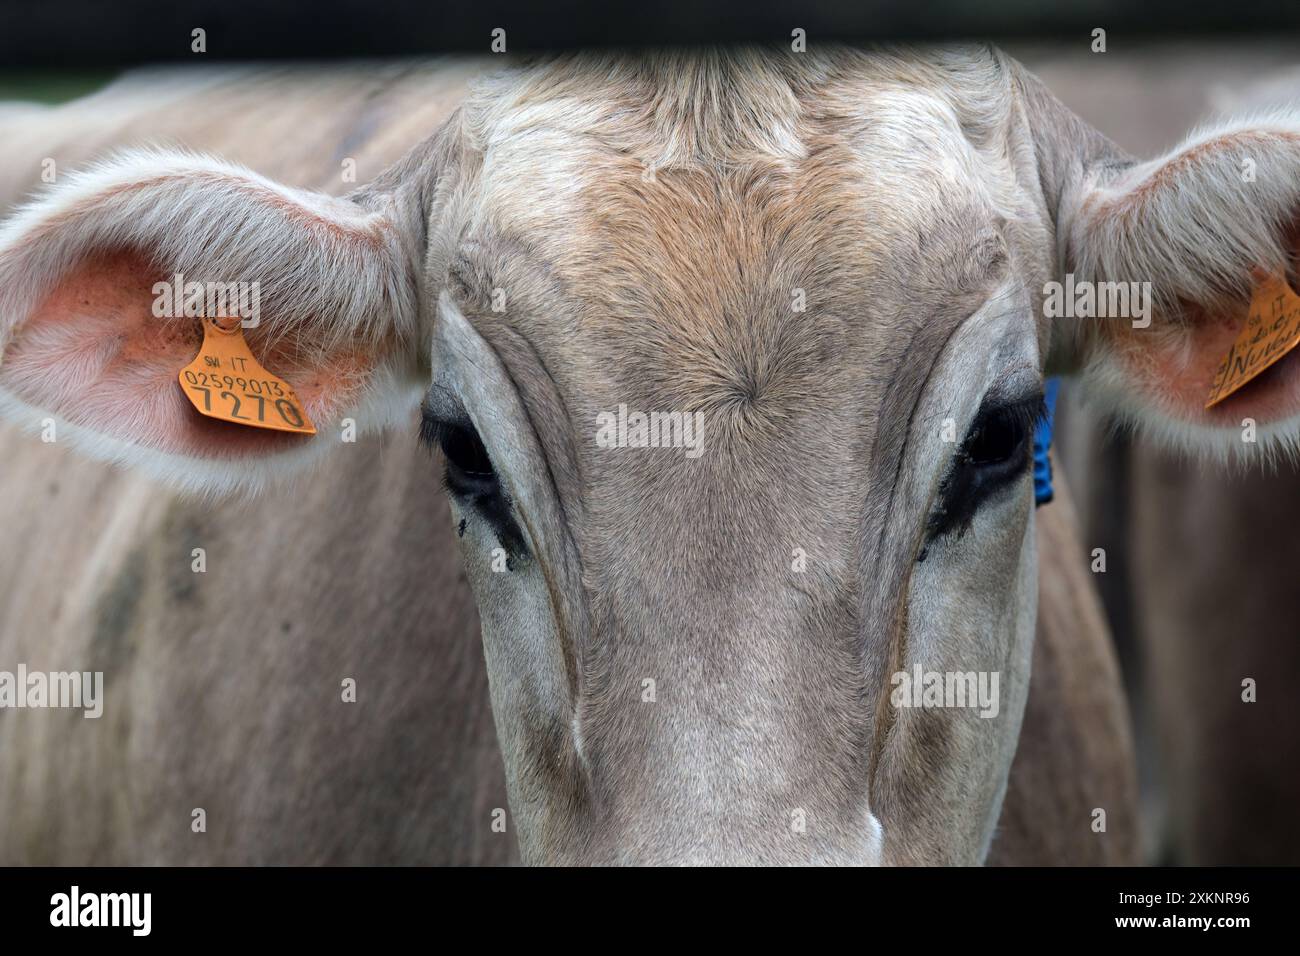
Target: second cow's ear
1192,236
85,346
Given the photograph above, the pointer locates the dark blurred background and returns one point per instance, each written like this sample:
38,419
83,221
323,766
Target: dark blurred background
81,34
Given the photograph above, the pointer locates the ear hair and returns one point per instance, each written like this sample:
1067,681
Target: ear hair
314,255
1108,391
1194,224
1195,221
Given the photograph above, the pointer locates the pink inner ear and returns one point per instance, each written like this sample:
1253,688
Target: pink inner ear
1175,369
94,354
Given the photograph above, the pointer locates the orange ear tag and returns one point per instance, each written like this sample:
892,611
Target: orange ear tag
224,381
1272,330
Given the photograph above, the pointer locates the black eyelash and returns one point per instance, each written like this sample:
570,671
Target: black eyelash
462,447
1025,415
480,490
971,481
433,431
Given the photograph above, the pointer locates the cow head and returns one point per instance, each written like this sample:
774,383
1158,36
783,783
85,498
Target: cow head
820,279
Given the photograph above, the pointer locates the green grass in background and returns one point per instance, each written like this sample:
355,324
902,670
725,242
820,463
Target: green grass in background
49,86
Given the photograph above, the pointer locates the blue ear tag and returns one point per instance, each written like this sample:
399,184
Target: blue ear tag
1042,442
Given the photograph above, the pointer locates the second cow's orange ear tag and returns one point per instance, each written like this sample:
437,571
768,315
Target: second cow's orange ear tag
1272,330
224,381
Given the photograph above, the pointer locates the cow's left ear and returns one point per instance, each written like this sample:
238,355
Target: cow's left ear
1190,236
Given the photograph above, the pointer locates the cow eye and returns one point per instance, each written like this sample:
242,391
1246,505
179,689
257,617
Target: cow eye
469,469
470,477
993,456
997,438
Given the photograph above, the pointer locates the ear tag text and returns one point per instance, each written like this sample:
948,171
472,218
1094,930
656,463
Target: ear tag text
224,381
1272,330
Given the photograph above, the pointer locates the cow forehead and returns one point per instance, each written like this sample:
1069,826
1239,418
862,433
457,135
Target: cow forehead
717,198
586,151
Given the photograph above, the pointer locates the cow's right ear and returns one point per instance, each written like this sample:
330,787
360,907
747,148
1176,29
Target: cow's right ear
87,354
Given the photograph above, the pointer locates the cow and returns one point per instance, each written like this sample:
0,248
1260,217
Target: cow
839,260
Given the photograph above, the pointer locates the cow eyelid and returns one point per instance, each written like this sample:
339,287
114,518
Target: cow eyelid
460,445
470,477
993,455
1022,415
